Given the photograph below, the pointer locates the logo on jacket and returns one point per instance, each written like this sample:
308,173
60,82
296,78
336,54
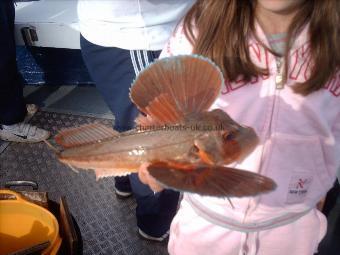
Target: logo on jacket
298,188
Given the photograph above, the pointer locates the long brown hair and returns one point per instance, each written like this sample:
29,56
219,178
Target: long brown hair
224,27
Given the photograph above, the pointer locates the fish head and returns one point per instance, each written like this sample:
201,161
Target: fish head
224,141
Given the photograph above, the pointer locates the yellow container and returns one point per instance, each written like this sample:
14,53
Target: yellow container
24,224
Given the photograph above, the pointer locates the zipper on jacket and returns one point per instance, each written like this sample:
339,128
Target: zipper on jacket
279,73
253,202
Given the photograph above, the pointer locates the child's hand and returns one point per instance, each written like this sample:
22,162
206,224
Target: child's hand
147,179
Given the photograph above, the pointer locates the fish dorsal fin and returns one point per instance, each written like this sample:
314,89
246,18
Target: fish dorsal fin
171,88
85,134
163,110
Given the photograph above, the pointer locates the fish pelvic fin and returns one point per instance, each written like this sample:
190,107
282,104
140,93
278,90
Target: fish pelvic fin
171,88
85,134
210,180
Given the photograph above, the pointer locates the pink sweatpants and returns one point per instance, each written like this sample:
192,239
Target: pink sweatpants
191,234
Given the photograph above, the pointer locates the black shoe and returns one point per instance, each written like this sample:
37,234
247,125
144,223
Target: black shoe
122,194
145,236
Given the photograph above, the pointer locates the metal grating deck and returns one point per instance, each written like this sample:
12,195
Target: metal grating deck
108,225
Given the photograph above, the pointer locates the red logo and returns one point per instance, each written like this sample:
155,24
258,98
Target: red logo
301,183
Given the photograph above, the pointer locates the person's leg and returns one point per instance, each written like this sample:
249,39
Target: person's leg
154,212
112,73
12,104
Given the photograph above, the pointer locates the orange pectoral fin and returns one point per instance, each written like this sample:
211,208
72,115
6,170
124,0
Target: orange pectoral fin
210,180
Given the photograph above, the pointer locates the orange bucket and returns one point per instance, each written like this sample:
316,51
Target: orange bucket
24,224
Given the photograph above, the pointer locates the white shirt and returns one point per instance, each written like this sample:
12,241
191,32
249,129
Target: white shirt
130,24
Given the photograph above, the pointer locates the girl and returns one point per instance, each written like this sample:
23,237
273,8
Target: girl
281,61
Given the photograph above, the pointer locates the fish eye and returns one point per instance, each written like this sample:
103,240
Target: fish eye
195,149
228,136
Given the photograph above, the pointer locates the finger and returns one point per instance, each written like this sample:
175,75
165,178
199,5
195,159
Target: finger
143,173
152,182
154,185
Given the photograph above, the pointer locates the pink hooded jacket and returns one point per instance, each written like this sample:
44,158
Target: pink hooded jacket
299,150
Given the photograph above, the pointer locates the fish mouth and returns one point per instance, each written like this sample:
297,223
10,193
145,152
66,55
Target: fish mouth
207,149
206,157
248,141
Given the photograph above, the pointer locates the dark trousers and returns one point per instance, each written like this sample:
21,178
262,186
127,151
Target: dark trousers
113,70
12,104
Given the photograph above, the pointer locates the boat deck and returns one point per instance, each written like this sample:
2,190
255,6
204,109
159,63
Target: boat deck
107,225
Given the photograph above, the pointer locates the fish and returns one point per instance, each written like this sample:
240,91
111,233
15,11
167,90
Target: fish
187,146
